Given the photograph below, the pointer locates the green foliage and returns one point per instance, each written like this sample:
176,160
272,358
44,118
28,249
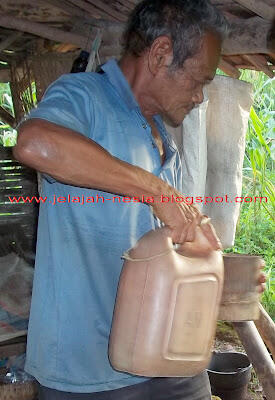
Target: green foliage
8,136
256,236
256,230
5,97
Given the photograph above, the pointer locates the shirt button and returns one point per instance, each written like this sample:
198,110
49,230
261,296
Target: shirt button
144,126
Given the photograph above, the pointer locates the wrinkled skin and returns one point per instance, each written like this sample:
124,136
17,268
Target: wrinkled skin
171,92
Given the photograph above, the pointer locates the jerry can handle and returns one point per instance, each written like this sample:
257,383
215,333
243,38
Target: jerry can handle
205,240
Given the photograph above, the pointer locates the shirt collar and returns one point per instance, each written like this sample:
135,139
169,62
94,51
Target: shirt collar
118,80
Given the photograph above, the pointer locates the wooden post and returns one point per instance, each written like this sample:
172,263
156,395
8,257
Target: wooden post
266,328
258,355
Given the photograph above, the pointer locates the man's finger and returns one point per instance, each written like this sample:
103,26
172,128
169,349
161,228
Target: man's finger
209,231
262,278
261,288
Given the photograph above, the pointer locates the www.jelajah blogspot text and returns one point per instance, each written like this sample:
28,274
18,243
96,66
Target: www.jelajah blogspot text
100,199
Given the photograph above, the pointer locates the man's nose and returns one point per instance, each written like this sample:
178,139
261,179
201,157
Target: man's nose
198,97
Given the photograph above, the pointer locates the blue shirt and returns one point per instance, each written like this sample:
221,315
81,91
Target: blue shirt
79,246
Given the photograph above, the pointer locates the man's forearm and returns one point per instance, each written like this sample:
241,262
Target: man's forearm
71,158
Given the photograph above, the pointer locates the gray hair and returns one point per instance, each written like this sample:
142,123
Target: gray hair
184,21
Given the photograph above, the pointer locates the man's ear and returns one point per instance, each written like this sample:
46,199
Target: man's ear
160,54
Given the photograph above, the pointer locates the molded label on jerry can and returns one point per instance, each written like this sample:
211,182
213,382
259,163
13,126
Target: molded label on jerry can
190,318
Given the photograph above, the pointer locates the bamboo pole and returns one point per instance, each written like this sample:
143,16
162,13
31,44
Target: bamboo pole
258,355
266,328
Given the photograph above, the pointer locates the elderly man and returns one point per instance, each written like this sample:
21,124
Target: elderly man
96,138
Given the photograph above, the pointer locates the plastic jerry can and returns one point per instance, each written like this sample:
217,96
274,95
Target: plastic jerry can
166,309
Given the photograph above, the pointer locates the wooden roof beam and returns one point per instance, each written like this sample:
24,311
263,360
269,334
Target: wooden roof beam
260,62
64,6
127,4
229,69
248,37
92,10
272,57
108,10
252,67
259,7
9,40
42,30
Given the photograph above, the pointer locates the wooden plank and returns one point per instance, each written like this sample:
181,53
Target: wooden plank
9,40
42,30
229,69
259,7
248,37
127,4
9,350
251,67
22,338
234,60
109,10
65,6
91,9
260,62
272,57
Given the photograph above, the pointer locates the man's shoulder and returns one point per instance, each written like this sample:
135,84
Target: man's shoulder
89,83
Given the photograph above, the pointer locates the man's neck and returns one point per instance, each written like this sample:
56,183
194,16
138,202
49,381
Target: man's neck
138,76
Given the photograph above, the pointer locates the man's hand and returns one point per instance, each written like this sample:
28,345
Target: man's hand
183,219
261,286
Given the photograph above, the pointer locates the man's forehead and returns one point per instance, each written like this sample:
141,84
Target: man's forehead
201,68
205,61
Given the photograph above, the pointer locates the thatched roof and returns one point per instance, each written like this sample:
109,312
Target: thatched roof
27,26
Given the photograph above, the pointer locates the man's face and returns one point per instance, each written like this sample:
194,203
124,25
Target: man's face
177,92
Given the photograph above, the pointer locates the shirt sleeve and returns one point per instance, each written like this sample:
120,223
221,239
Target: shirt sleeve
67,102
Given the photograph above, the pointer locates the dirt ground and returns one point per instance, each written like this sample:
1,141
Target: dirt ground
228,340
